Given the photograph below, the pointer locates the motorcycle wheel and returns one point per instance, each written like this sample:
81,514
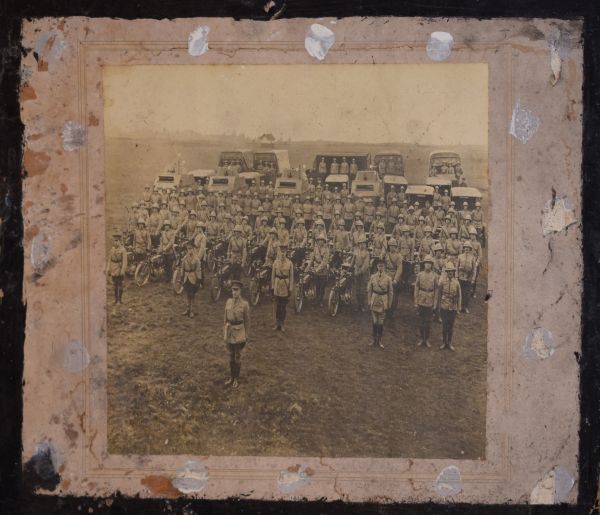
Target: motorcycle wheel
254,291
311,292
141,274
210,260
215,289
334,302
178,281
298,298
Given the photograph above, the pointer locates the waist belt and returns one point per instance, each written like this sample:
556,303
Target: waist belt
235,322
427,291
380,292
281,276
118,260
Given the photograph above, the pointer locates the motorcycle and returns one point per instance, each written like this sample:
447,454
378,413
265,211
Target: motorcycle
260,281
152,267
215,248
305,287
343,286
221,280
177,280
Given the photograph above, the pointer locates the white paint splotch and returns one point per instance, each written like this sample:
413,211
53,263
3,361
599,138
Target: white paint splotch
198,40
191,478
553,488
75,357
319,39
48,48
539,344
560,44
73,135
439,46
47,459
523,124
293,478
41,253
448,482
557,215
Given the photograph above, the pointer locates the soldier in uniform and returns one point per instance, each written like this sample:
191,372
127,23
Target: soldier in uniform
272,246
344,167
146,196
353,167
393,267
379,242
348,212
192,276
361,261
166,248
117,265
392,214
448,302
236,252
369,213
322,167
319,262
335,167
380,292
466,266
425,288
427,242
141,241
299,235
453,245
236,330
282,282
381,168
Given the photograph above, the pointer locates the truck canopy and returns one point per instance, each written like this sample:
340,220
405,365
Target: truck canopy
396,180
420,190
465,192
337,178
244,157
280,158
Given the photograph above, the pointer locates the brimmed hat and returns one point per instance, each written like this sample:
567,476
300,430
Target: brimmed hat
467,245
167,222
238,228
450,267
392,242
428,258
237,284
141,221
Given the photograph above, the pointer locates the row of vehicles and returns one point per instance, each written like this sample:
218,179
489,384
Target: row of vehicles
237,170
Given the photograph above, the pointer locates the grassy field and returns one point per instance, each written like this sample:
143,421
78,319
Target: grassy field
319,390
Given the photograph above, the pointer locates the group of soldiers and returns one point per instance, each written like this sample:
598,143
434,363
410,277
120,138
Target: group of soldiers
388,238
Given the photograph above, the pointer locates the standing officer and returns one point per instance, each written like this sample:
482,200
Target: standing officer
322,167
236,331
466,266
353,168
448,302
335,167
361,261
117,264
236,252
380,292
282,282
319,262
425,287
192,275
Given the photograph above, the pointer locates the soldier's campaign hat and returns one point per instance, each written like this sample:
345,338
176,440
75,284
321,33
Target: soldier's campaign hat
450,267
410,208
392,242
437,187
467,216
472,230
117,235
227,216
141,221
212,214
265,219
477,204
273,230
447,217
427,229
453,230
428,258
405,228
319,213
200,223
465,203
393,187
400,215
321,237
421,218
237,284
300,220
380,225
238,228
394,200
452,203
359,223
244,217
167,222
467,244
431,210
451,210
319,222
438,246
402,188
193,213
204,203
417,203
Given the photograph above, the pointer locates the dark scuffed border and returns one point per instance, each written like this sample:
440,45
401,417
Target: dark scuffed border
17,482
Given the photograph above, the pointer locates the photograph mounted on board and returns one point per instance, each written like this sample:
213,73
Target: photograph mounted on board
296,259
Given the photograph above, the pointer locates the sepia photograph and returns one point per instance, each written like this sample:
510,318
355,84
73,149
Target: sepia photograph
297,260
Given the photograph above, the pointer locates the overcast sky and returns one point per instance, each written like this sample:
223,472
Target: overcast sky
430,104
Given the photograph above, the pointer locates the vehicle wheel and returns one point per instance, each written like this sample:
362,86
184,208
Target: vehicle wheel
254,291
248,269
215,289
348,294
311,292
210,260
142,274
334,301
178,281
298,298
